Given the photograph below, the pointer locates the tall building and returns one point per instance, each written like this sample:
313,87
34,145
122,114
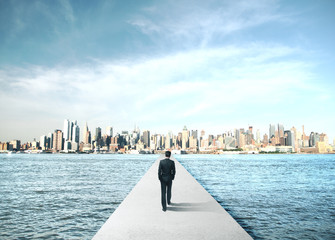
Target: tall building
258,136
146,139
43,142
109,131
75,133
237,137
312,139
57,140
87,135
289,138
50,140
67,130
272,131
185,137
97,134
265,140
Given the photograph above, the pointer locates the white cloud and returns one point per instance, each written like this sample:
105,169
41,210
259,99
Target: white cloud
206,85
204,22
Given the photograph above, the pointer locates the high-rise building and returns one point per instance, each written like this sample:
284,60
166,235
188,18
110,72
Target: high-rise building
97,134
265,140
185,137
87,135
237,137
289,138
43,142
281,130
57,140
67,130
50,140
146,139
258,136
109,131
312,139
272,131
75,133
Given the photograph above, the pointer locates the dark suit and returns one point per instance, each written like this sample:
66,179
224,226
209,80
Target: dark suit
166,172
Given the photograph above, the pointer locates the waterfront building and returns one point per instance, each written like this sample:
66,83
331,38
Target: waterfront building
43,142
185,137
50,141
258,136
324,138
265,140
312,139
229,142
15,145
193,143
67,130
109,131
289,138
87,135
67,145
323,147
34,145
57,140
75,133
146,138
97,138
237,137
272,130
242,139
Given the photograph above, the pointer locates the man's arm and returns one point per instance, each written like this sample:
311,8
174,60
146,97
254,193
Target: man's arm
159,171
173,170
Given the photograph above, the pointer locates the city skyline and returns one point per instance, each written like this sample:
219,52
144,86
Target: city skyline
72,131
277,140
216,65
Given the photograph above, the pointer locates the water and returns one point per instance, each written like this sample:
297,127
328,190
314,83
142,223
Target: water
55,196
272,196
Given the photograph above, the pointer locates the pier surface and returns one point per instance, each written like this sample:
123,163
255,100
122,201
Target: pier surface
193,213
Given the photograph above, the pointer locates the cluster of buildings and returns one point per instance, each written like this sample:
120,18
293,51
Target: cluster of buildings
240,140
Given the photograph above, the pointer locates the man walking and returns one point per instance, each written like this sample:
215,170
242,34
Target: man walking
166,172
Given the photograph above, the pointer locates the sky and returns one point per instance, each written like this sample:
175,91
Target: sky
161,65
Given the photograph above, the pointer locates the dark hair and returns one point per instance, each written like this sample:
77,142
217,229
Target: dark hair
167,154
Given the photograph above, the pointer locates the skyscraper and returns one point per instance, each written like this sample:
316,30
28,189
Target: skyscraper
272,131
75,133
57,140
98,138
146,138
109,131
67,130
185,136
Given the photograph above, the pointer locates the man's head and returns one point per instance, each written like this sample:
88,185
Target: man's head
168,154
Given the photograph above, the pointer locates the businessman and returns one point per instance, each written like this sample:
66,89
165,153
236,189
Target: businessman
166,172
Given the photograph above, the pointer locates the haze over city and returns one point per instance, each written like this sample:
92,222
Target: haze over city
212,65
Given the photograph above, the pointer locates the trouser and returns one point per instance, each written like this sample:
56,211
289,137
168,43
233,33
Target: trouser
166,192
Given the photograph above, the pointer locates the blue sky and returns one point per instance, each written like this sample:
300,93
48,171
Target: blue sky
212,65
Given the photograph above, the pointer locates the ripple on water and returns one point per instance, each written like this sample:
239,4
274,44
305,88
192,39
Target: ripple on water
272,196
62,196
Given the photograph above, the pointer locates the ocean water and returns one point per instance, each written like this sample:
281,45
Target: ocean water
272,196
55,196
64,196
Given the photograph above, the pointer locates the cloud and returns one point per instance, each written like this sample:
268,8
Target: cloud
203,85
204,22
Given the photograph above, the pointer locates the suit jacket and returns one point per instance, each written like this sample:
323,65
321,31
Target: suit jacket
166,170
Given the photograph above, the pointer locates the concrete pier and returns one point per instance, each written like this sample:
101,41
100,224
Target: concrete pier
193,213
